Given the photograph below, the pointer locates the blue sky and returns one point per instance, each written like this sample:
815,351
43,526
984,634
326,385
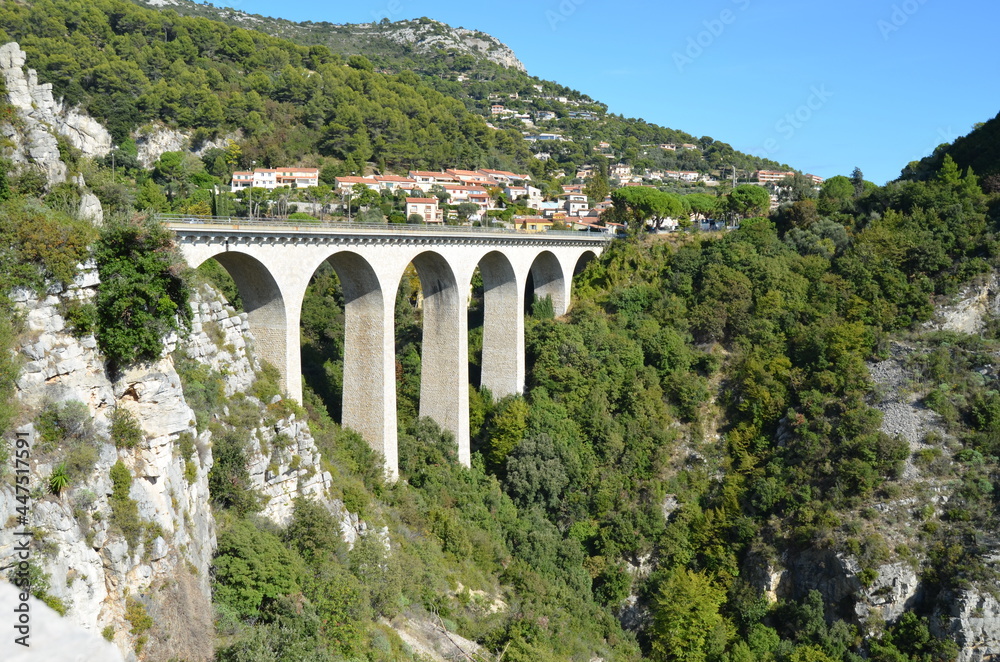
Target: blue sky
822,86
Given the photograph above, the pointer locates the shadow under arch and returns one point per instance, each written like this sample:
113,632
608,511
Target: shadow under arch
503,322
444,379
581,263
548,280
264,306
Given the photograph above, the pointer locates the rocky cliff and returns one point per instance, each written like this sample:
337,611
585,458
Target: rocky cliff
874,567
92,570
423,36
43,119
428,36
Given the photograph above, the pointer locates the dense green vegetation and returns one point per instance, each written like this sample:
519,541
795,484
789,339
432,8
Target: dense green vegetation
721,381
977,150
142,297
38,247
705,409
128,66
478,82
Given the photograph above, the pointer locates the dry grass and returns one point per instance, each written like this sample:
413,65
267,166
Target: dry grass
182,617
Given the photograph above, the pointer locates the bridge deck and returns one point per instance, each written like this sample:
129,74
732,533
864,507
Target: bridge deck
215,224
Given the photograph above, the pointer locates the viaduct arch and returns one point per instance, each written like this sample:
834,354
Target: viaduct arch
273,263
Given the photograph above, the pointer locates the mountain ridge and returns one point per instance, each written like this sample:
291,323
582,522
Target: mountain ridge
422,35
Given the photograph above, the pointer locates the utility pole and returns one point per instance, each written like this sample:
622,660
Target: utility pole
253,167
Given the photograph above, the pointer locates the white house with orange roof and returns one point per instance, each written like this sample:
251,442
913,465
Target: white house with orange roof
346,183
298,177
426,208
772,176
426,179
464,175
396,183
272,178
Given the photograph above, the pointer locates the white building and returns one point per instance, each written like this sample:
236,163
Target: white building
272,178
426,208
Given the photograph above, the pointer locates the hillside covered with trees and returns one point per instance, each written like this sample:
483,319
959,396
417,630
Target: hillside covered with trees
702,440
129,65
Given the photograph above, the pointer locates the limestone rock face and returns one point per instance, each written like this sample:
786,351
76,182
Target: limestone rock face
974,622
972,307
153,142
433,35
45,118
91,568
91,209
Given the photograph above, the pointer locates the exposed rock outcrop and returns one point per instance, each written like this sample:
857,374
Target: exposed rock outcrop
972,308
90,567
44,118
154,140
973,621
431,35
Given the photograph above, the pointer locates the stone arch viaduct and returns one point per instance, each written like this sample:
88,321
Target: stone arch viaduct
272,264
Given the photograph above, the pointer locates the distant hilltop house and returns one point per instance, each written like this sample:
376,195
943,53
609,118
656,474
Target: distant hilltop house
541,137
772,176
582,115
620,171
816,179
272,178
683,175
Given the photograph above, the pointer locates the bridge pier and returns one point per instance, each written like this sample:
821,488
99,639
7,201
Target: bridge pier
272,266
503,326
369,382
444,361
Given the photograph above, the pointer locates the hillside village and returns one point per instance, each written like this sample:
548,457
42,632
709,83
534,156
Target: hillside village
480,196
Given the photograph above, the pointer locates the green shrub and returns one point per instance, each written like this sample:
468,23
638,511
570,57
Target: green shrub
38,244
66,423
8,369
229,479
142,296
136,614
81,317
204,388
267,384
125,429
59,479
108,632
253,568
186,443
124,510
